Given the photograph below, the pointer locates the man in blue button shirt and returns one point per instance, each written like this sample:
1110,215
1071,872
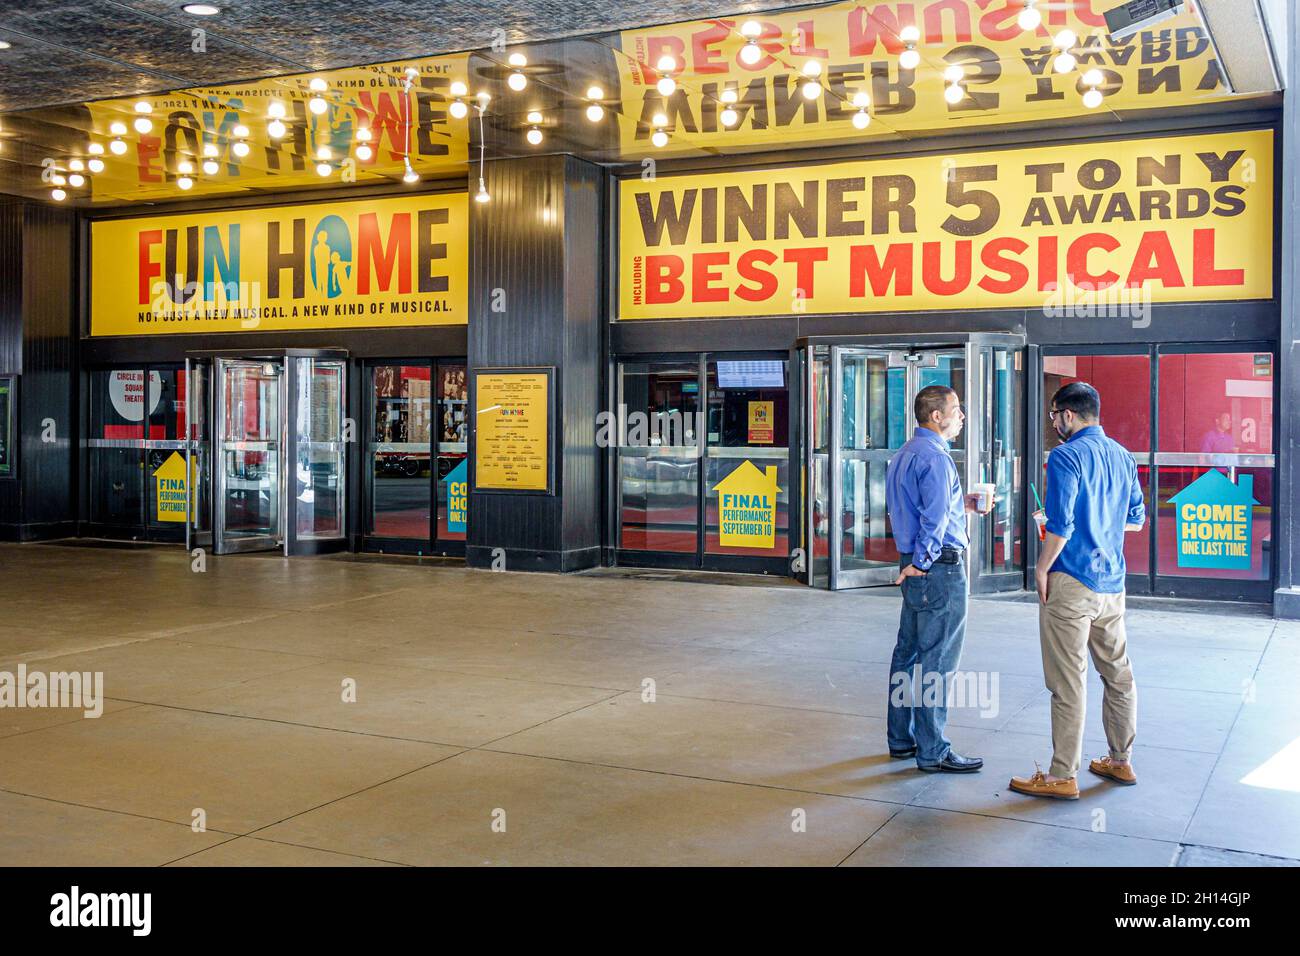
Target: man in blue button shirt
1092,497
927,512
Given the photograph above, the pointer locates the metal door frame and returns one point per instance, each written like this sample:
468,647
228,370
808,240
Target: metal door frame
968,343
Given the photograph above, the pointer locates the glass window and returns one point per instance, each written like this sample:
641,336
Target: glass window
656,430
1124,383
115,456
747,475
453,465
1215,467
318,437
400,450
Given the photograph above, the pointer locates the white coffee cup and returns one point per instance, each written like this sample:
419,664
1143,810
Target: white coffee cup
985,492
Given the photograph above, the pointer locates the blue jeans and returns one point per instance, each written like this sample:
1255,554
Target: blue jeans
931,630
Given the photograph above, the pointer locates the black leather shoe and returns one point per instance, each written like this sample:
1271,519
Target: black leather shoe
903,754
954,763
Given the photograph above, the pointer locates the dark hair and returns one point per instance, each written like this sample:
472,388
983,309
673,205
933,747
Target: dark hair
932,398
1080,398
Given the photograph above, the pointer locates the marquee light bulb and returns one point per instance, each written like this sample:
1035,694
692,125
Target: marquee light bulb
517,82
659,119
595,112
210,167
666,85
1094,77
482,195
58,180
1092,99
909,59
117,128
458,88
275,110
363,134
517,60
861,119
209,149
729,95
410,176
811,90
1066,39
143,107
1064,62
1029,18
954,93
117,146
240,132
534,117
185,182
667,63
96,165
364,153
240,149
910,34
185,166
954,74
751,53
95,149
534,135
317,85
458,109
751,29
812,68
729,117
861,100
76,179
317,105
275,129
76,165
323,152
324,169
58,195
143,124
660,138
595,93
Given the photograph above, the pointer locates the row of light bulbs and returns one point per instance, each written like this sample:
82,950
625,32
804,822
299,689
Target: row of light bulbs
1029,18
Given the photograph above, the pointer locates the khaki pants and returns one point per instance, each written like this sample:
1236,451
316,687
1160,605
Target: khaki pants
1075,618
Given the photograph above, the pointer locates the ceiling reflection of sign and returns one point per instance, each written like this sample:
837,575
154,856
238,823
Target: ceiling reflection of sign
1215,525
1176,219
1008,72
356,264
512,431
747,507
199,125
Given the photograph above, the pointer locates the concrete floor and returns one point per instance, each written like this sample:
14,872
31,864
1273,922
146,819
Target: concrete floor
511,698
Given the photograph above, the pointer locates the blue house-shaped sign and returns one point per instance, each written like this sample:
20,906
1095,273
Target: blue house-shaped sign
1214,518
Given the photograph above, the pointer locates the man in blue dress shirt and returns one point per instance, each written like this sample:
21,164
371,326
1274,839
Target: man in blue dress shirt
928,514
1092,497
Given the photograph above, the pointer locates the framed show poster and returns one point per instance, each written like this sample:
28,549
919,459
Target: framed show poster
512,430
7,414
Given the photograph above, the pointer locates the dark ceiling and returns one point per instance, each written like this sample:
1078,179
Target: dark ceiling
70,51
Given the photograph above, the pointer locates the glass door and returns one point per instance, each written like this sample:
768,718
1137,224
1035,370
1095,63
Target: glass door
318,483
249,494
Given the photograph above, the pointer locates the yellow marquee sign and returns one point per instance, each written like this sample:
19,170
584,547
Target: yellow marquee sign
355,264
1172,219
1007,72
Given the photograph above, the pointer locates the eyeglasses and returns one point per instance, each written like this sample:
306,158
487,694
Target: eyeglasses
1051,415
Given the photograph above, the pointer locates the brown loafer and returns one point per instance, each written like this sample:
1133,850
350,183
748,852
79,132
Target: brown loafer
1121,773
1039,786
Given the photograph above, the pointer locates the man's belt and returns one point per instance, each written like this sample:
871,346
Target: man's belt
950,556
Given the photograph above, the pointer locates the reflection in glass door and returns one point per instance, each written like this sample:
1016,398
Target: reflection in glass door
319,483
249,493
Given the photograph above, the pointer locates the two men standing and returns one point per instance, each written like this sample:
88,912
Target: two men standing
1092,497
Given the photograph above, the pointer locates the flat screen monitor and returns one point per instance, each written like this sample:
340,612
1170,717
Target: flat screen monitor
765,374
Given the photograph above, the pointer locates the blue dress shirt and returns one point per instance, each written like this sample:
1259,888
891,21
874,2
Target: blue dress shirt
923,494
1092,492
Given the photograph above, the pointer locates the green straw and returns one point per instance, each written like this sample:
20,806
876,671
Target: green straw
1036,498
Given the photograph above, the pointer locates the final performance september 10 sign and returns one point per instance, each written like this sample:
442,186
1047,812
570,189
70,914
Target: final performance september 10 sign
1181,218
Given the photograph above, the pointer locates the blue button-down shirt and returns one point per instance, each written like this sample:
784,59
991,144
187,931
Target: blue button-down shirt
1092,492
923,494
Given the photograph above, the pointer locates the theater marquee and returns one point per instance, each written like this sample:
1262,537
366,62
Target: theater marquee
1185,218
356,264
